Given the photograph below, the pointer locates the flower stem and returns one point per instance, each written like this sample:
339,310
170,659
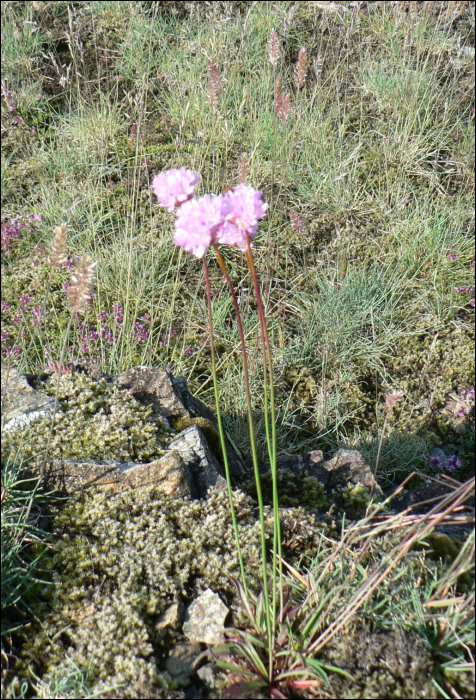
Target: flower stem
221,262
220,428
53,419
268,364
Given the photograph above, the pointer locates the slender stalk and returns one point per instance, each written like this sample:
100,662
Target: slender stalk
271,199
379,449
220,427
221,262
52,426
40,317
277,558
60,369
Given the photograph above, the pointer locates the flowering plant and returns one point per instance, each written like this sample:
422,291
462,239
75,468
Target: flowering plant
231,219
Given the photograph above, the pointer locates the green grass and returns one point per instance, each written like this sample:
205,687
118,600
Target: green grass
376,157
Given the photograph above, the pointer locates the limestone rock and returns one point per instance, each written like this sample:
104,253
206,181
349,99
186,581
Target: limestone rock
205,619
189,469
196,453
346,466
21,404
170,398
169,474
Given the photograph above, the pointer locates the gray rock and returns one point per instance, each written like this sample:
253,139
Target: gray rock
180,663
21,404
196,453
205,619
190,467
346,466
169,475
170,398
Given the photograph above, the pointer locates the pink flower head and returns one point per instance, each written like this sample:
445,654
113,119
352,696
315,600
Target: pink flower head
198,223
245,209
174,187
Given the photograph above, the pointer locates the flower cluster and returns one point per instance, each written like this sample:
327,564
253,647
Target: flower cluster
450,465
467,402
229,219
465,288
13,231
174,187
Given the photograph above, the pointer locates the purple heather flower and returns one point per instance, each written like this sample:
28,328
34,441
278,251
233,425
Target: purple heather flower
452,257
174,187
435,461
453,463
198,223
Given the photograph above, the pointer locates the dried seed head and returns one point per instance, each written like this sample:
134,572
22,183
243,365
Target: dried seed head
273,48
53,367
282,103
57,255
392,400
300,69
297,222
215,84
243,170
317,63
80,290
278,91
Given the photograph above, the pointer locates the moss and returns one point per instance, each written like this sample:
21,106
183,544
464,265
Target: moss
404,673
296,488
118,562
352,499
96,421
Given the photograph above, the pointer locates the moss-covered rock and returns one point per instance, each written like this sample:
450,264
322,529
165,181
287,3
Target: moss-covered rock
118,562
95,421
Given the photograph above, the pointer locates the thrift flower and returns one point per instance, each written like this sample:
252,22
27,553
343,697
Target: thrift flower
245,210
174,187
198,222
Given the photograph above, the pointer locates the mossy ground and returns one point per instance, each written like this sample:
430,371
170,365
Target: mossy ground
370,295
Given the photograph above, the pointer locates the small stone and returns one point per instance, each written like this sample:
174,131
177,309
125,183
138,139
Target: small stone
180,663
171,618
346,466
205,619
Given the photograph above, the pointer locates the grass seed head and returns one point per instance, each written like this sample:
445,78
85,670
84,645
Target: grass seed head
80,290
300,70
273,48
58,255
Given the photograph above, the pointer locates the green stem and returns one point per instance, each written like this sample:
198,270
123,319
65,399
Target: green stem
272,450
220,427
221,262
271,202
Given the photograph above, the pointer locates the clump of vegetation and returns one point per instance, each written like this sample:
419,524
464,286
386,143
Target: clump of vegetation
116,563
95,421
